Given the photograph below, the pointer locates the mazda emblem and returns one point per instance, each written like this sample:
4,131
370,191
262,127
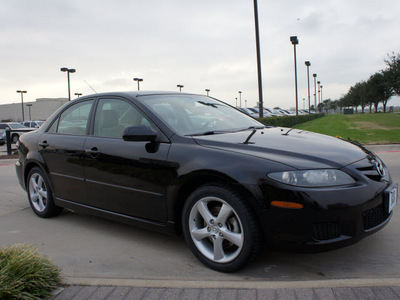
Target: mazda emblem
379,168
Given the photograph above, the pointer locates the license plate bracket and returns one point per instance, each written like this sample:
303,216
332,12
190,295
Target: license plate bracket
392,194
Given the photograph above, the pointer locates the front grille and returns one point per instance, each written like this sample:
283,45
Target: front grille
326,231
374,216
370,172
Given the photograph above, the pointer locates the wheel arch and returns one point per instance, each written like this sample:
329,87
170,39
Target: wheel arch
198,179
29,166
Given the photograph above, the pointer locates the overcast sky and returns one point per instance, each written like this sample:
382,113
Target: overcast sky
207,44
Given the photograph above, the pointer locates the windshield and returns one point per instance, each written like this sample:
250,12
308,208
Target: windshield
16,126
198,115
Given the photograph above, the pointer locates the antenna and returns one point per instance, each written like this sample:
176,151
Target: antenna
90,86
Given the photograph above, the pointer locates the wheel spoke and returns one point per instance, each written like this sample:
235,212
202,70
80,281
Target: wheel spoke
35,197
33,183
224,213
43,193
218,249
200,233
202,208
233,237
41,204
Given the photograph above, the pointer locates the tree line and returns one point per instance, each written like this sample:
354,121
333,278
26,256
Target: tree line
379,88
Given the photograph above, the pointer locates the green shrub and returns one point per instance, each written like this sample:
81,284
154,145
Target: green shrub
25,274
289,121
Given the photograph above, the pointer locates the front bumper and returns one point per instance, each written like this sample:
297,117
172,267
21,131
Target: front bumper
330,218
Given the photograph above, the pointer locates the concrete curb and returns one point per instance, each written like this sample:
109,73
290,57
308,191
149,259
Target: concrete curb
149,283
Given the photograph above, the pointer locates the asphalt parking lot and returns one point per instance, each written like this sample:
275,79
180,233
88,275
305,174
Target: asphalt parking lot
95,251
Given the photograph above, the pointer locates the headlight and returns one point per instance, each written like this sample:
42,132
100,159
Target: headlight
313,178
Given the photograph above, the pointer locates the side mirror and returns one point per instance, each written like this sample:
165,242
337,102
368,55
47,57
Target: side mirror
139,134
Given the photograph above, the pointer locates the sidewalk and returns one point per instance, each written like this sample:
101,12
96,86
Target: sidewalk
122,292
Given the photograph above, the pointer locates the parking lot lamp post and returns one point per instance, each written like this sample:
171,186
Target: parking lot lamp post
138,82
240,98
180,86
319,92
322,99
29,107
295,42
308,64
315,91
22,103
258,51
208,91
78,94
69,86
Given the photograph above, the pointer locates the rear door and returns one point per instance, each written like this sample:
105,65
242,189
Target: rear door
61,148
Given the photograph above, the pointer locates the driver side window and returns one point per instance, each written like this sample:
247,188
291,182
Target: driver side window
114,115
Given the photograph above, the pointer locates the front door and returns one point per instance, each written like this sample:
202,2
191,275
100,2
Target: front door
122,176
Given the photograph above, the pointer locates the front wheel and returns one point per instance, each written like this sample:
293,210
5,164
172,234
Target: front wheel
220,228
40,195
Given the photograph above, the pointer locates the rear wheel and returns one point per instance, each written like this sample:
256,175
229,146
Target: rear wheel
220,228
40,194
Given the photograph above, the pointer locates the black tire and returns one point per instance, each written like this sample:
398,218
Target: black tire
40,195
220,228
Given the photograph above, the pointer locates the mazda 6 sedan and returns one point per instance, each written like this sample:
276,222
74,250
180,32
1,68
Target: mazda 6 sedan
184,163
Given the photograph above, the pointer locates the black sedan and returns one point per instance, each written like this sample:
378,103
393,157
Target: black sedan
176,162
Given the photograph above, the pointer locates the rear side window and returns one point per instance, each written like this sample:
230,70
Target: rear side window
73,120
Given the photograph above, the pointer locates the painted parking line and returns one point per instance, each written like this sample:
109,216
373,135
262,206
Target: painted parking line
394,151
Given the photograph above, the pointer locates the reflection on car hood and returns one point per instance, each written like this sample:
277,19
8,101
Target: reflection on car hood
296,148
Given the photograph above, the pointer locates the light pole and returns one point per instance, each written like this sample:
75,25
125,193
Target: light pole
260,95
245,101
22,103
29,107
319,92
139,80
295,42
69,86
207,90
180,86
78,94
236,102
308,64
240,98
304,103
322,99
315,91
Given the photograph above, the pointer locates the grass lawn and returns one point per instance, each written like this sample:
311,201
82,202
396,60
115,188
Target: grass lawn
364,128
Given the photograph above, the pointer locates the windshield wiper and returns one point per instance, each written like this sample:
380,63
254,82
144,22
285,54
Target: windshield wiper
211,132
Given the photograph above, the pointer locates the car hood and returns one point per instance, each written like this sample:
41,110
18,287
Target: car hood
296,148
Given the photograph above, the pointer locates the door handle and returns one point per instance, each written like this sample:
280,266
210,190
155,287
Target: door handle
44,144
94,152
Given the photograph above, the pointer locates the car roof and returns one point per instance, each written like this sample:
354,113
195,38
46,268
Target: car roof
138,94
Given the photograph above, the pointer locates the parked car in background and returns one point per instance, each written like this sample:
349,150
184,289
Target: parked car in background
249,112
33,124
177,162
2,137
17,129
266,114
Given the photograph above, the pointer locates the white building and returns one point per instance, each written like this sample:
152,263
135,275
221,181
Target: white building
41,109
